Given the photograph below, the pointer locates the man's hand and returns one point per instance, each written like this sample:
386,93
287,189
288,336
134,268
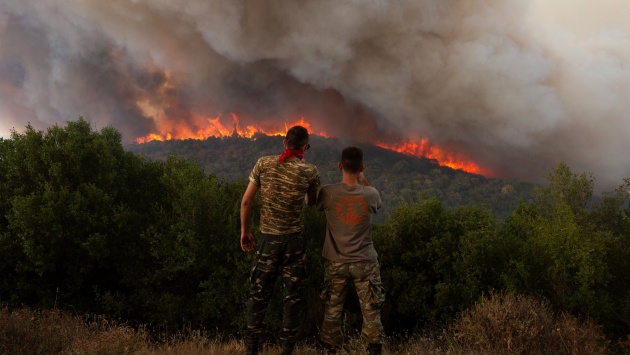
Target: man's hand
248,243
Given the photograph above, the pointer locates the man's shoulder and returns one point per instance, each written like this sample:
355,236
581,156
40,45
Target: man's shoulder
267,160
308,165
308,169
330,186
371,189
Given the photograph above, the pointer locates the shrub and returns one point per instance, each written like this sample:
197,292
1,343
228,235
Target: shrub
507,324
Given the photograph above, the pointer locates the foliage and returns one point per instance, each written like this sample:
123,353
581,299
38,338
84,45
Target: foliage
571,254
435,261
67,192
88,226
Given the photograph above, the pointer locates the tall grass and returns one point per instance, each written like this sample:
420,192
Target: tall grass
498,324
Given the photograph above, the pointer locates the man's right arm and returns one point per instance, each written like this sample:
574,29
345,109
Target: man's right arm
362,180
247,239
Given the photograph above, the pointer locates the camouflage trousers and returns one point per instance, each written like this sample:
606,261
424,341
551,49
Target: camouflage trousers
277,255
367,282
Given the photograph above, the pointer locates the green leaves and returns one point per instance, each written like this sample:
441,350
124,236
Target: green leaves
571,253
436,261
112,231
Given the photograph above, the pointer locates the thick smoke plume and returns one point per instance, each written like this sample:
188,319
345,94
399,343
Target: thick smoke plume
514,85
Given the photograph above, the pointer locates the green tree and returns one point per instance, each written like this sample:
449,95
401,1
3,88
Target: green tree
570,254
478,256
436,261
565,189
66,193
609,219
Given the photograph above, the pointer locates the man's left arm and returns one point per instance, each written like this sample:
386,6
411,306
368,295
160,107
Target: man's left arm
310,198
311,194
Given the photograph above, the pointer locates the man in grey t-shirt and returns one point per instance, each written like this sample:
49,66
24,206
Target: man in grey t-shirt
350,254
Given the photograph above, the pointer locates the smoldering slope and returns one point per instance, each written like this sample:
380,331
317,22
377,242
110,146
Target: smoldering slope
517,86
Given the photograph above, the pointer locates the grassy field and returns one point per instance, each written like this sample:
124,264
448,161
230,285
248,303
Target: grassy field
500,324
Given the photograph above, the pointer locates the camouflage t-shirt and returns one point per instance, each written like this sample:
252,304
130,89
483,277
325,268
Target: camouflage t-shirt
282,190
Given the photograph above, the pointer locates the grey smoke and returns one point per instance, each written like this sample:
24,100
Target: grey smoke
511,84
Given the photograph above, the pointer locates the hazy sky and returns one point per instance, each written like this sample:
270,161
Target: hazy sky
515,85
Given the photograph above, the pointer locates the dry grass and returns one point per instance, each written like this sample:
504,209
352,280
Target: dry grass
46,332
500,324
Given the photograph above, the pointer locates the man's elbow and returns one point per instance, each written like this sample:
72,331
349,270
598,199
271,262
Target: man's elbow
246,204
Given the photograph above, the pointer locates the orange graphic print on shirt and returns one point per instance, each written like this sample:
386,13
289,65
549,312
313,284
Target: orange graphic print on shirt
351,210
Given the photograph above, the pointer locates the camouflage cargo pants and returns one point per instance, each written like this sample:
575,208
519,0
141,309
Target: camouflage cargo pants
283,255
367,282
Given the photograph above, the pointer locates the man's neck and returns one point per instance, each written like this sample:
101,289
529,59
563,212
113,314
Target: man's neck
350,179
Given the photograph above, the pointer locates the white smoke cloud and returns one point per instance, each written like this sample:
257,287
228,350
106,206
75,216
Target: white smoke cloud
516,86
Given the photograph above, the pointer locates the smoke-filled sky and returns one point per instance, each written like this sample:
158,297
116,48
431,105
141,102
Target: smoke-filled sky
516,86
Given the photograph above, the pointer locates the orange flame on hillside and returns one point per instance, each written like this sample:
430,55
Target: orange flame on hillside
215,128
443,157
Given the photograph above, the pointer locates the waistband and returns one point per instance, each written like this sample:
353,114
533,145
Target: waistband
280,237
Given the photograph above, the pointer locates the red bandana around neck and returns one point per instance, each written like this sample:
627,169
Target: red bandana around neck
288,153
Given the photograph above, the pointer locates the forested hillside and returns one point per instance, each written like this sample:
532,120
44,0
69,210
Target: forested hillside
400,178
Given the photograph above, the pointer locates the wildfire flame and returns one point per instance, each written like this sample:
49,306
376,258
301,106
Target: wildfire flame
215,128
443,157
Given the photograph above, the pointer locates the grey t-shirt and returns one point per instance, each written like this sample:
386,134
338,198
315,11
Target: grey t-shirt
348,221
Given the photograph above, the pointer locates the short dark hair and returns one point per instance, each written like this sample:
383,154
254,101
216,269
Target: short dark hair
297,137
352,159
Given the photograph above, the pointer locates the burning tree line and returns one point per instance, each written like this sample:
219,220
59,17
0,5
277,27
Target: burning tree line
214,128
87,226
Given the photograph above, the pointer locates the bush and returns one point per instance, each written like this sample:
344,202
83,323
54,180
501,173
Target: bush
507,324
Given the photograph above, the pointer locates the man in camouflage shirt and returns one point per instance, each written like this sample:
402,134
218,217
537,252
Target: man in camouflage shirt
349,254
284,183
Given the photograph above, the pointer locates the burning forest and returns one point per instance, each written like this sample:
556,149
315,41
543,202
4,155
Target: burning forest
215,128
499,88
